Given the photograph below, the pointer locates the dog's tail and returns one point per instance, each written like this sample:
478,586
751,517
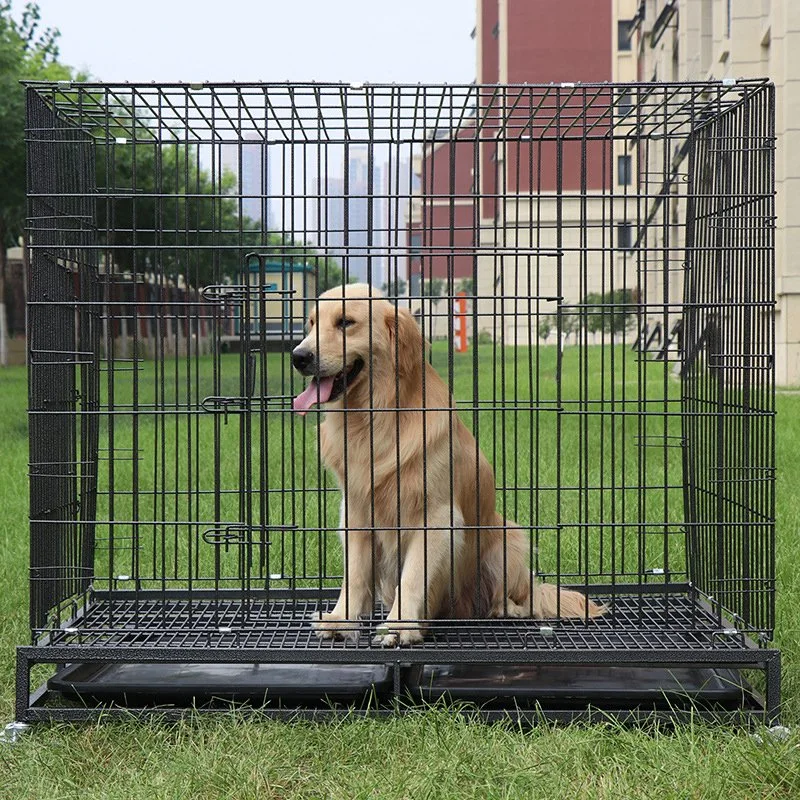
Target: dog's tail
551,601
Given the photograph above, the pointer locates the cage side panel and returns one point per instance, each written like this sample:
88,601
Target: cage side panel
728,386
216,521
63,359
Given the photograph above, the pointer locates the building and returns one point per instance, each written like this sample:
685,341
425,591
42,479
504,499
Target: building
454,235
248,161
729,39
401,182
279,310
355,225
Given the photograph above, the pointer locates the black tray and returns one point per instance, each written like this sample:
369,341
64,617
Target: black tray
561,686
491,686
187,684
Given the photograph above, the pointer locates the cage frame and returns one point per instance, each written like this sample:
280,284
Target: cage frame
732,644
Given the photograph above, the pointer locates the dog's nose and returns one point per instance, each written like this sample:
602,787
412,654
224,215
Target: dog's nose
302,359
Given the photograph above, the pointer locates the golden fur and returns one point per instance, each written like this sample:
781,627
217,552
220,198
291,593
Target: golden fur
395,365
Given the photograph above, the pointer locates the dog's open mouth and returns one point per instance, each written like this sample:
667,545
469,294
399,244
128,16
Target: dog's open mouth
326,389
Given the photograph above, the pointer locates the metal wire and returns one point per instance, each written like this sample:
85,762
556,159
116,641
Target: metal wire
619,374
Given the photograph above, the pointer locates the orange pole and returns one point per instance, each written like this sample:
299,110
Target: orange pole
460,326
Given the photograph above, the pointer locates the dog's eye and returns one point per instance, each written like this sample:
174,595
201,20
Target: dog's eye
344,322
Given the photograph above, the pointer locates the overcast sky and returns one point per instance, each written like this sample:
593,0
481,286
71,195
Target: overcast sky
273,40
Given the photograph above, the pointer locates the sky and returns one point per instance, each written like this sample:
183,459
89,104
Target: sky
373,41
368,41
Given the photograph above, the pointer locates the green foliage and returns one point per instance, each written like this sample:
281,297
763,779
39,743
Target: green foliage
610,312
466,285
170,215
164,211
545,327
433,288
25,54
595,318
570,324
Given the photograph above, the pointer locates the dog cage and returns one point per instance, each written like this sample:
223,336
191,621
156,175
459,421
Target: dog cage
593,268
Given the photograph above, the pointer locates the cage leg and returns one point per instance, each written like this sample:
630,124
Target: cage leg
773,692
23,687
396,682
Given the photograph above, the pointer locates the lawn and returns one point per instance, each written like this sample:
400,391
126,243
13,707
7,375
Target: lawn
425,754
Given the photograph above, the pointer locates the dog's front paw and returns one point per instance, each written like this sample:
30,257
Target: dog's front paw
398,637
332,626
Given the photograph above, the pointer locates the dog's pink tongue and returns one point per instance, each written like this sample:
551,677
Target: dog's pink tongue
308,397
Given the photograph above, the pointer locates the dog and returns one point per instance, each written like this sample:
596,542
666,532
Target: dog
418,521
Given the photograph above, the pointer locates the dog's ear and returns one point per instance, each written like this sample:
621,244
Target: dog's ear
405,341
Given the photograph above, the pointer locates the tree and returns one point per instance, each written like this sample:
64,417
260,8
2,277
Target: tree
544,327
594,312
570,324
395,287
610,312
466,285
25,53
171,209
622,313
433,289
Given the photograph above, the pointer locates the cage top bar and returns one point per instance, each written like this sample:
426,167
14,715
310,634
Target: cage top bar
357,86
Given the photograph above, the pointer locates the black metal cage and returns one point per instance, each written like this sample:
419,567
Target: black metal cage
593,269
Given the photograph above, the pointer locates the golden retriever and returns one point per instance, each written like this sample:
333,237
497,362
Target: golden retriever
390,436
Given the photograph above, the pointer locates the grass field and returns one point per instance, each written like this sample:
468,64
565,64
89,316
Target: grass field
426,754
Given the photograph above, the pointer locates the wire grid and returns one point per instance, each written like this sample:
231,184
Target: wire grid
167,286
638,623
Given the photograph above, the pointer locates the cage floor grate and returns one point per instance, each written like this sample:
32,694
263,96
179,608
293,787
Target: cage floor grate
635,622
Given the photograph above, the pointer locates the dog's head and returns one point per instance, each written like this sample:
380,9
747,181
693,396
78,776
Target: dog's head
353,330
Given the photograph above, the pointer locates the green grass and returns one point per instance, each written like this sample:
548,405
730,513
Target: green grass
425,754
185,459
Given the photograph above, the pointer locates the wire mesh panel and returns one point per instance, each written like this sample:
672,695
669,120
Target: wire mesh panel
317,371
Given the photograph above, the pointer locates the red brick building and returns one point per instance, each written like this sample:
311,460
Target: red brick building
517,42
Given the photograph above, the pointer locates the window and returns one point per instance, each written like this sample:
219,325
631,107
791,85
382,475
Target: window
624,31
625,104
624,236
624,176
416,244
414,285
